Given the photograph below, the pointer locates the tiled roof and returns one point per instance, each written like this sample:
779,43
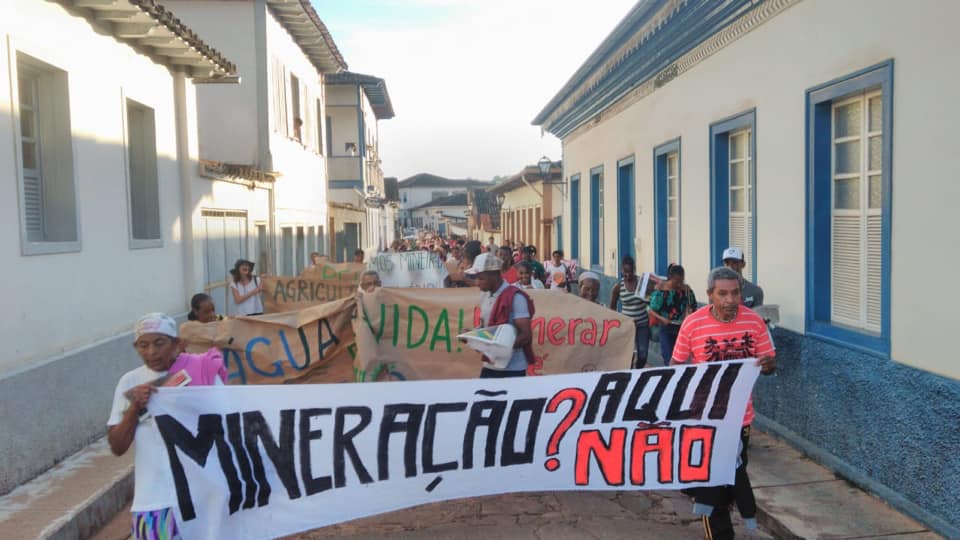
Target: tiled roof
374,87
308,31
532,174
432,180
155,32
457,199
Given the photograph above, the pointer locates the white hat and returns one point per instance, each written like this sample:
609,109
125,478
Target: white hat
155,323
733,253
588,275
485,262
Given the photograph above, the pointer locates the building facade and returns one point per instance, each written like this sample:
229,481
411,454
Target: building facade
267,133
99,144
810,135
358,203
422,188
531,208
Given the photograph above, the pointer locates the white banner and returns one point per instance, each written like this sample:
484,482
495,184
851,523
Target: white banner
410,269
266,461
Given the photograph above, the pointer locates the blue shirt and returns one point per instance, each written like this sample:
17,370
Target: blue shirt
519,310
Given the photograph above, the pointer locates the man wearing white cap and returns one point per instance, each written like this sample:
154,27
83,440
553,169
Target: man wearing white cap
751,294
502,303
589,283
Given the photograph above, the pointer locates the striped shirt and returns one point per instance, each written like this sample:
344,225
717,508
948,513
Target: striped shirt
633,305
705,339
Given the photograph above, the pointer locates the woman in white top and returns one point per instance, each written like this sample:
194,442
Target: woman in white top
527,281
246,289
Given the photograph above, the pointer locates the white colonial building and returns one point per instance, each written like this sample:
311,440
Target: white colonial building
422,188
817,136
99,146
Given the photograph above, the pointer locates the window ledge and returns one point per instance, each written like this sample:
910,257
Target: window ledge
872,344
136,243
49,248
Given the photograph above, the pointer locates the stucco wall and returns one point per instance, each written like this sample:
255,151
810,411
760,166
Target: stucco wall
769,69
63,301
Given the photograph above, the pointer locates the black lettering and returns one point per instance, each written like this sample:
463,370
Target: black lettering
324,345
508,453
411,427
492,422
255,427
235,435
429,435
612,386
343,444
209,432
722,398
310,484
700,395
648,412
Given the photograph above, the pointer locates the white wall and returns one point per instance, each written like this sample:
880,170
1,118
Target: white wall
59,302
342,110
227,112
769,69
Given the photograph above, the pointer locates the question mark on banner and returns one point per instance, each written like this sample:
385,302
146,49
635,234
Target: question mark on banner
577,398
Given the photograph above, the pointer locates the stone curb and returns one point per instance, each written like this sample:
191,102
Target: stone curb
95,512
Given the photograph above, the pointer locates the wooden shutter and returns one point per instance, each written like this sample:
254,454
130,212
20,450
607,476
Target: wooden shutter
846,271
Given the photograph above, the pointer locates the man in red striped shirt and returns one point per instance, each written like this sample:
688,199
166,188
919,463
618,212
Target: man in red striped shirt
726,330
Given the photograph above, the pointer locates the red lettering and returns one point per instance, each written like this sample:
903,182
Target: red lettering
607,325
662,444
573,328
609,456
589,336
554,331
690,435
536,326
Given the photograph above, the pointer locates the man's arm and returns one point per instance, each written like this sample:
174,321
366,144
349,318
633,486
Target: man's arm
614,296
524,333
120,436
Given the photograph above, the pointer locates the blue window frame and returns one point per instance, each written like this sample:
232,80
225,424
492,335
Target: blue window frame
557,226
666,196
849,130
575,216
626,208
596,217
733,194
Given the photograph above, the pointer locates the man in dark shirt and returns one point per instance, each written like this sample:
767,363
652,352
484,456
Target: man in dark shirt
751,294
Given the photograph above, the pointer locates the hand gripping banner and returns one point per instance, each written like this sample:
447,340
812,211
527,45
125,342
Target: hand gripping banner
266,461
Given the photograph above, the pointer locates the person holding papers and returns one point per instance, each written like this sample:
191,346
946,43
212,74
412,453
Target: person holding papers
502,303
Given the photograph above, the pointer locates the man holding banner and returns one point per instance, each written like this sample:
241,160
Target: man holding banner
726,330
502,303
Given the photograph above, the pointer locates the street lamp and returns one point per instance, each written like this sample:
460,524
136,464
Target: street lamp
544,165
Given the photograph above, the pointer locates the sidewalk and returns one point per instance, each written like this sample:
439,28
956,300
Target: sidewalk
796,497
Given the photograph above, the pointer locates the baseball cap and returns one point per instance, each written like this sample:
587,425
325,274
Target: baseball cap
485,262
155,323
733,253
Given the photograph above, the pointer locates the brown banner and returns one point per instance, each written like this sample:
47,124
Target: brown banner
408,334
310,345
316,285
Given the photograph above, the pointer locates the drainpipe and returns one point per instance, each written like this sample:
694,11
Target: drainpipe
186,169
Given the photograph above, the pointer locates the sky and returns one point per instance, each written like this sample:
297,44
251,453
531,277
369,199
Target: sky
466,77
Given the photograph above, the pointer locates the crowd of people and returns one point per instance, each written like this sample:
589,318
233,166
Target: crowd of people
725,328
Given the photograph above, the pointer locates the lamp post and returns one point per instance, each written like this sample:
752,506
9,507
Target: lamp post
544,166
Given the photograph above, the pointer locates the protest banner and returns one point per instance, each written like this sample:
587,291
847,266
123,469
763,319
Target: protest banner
316,285
315,344
420,269
266,461
411,334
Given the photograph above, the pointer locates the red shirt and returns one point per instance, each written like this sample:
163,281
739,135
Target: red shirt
706,339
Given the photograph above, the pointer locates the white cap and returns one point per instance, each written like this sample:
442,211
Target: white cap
155,323
733,253
485,262
588,275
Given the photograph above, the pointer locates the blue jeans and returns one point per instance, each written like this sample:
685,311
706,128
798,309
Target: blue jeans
668,338
641,343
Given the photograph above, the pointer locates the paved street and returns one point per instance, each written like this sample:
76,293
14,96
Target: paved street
543,515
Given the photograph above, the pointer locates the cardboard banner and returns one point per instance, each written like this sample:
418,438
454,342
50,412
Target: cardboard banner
407,334
265,461
316,285
421,269
315,344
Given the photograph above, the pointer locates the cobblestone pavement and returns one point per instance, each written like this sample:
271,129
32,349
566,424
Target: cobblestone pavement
536,516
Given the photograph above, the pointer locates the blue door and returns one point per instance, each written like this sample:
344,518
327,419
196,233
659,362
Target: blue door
626,209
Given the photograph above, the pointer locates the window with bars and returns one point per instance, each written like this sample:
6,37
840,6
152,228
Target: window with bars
144,203
48,203
848,220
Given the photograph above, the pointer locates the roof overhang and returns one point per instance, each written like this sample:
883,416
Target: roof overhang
374,87
155,32
312,36
529,174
